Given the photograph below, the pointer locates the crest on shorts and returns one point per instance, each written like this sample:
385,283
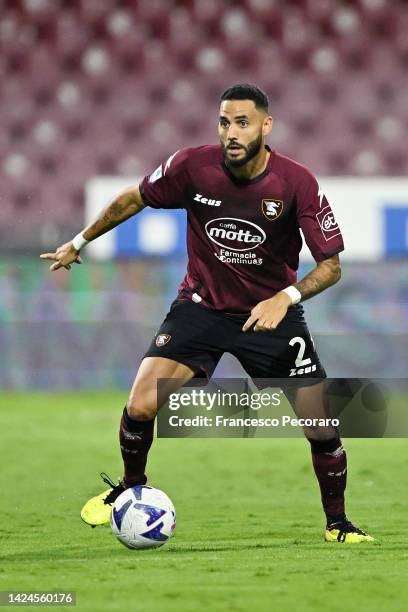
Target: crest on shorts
272,209
162,339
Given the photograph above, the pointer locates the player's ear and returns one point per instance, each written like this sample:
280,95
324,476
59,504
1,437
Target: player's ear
267,125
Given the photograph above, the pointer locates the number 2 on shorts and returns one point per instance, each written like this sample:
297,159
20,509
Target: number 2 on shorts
300,362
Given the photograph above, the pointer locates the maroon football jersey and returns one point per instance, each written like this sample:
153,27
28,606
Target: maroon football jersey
243,237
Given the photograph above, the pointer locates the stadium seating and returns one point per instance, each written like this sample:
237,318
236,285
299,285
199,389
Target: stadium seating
113,87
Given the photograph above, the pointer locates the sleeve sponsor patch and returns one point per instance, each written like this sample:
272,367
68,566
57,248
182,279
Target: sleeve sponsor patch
158,173
162,169
327,223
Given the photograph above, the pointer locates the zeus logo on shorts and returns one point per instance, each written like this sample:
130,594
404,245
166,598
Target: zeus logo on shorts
300,371
162,339
327,223
203,200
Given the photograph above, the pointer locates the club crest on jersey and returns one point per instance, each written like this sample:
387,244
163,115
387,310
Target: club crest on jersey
272,209
162,339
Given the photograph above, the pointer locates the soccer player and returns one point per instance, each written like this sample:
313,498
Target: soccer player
246,205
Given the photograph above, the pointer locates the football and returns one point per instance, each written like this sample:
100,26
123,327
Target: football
143,517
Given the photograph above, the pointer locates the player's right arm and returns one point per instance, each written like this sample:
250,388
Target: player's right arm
128,203
164,188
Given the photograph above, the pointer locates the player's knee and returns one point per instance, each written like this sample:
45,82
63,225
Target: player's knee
320,433
141,412
142,407
142,401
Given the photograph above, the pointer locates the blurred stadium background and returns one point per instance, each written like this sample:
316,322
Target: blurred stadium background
94,94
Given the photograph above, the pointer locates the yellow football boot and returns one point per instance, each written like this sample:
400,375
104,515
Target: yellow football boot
97,510
345,532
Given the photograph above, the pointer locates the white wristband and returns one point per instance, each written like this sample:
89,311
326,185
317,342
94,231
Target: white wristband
293,293
79,242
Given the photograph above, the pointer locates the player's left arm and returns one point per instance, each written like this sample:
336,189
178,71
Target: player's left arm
324,275
267,315
323,237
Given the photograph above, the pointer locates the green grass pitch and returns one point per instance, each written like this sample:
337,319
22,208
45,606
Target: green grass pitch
249,522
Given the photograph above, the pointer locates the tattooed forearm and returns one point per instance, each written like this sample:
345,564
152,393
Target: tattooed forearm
326,273
125,205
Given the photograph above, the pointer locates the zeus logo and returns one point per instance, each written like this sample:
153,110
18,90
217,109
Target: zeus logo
320,195
168,162
200,198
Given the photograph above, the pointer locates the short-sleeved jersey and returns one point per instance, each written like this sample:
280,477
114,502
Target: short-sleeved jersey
243,237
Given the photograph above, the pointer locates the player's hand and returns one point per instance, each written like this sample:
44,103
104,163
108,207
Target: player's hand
269,313
65,255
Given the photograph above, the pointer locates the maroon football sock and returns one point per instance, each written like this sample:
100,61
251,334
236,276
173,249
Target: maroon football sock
330,466
135,439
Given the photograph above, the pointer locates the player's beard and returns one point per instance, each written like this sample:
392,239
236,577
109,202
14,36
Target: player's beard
252,149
